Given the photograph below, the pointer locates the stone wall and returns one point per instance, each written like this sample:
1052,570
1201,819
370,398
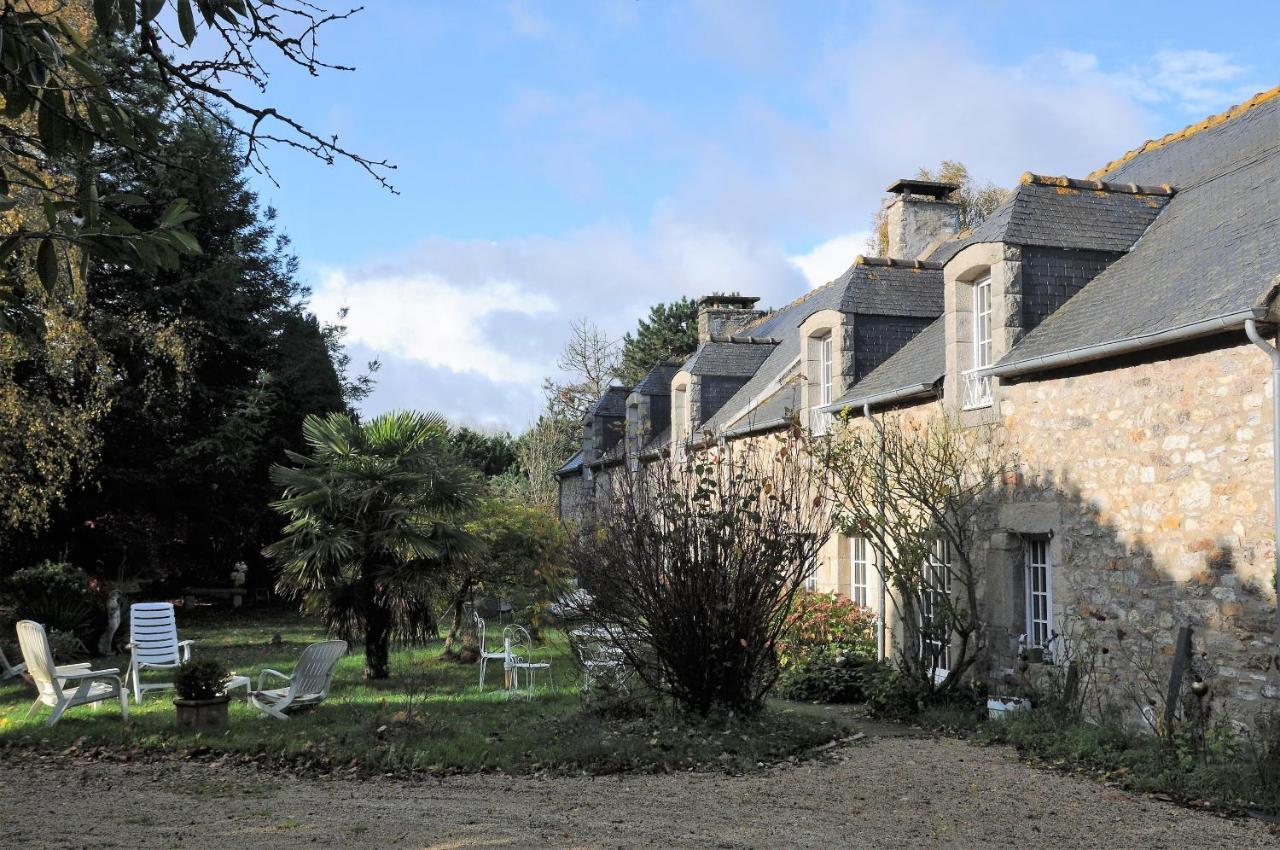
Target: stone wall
1157,477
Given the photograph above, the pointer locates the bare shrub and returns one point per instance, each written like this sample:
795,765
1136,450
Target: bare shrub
915,490
693,564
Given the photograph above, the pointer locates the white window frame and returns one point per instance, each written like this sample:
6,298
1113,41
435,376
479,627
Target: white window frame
1038,581
977,388
860,561
937,586
824,370
811,577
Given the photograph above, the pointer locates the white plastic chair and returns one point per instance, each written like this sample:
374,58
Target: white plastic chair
519,647
154,644
485,653
10,671
309,684
64,687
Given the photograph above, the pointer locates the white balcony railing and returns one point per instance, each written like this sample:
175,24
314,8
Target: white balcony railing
819,421
975,389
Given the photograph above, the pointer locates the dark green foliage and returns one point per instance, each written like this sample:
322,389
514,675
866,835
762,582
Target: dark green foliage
893,695
58,596
671,330
60,103
491,454
828,676
375,526
1236,772
216,362
203,678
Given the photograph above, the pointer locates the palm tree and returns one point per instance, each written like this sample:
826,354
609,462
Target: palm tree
376,515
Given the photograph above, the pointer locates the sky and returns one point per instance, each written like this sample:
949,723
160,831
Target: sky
563,160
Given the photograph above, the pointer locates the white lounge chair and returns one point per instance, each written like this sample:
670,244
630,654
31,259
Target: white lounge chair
485,653
309,684
154,644
64,687
10,671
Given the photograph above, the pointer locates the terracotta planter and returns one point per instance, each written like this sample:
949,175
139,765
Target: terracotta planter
202,715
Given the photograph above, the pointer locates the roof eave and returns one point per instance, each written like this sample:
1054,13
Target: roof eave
1128,345
887,397
757,428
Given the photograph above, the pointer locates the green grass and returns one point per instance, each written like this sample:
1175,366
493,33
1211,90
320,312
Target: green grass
1220,775
429,717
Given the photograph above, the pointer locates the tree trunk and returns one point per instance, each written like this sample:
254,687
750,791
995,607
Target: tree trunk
106,642
377,634
453,642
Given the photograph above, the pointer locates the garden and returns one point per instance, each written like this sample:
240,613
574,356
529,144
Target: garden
428,717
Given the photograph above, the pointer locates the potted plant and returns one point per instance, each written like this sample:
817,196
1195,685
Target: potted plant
202,695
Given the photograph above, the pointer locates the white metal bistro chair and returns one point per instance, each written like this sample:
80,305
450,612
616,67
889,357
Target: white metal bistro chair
154,645
10,671
520,657
65,687
309,685
604,665
485,653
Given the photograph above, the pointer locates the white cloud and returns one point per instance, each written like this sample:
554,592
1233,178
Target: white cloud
762,180
427,319
829,259
1195,81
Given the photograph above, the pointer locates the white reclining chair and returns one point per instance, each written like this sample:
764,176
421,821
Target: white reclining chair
309,684
154,644
64,687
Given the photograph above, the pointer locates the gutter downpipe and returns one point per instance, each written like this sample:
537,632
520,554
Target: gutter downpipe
880,488
1251,329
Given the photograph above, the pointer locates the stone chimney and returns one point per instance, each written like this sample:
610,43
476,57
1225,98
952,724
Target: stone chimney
922,214
725,314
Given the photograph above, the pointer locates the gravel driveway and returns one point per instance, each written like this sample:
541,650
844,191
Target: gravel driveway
909,792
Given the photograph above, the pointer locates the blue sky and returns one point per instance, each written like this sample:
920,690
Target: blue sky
558,160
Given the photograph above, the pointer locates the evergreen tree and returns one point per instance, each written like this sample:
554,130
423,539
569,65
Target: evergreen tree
671,330
216,364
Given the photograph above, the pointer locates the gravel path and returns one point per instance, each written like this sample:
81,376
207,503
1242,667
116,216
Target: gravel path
888,792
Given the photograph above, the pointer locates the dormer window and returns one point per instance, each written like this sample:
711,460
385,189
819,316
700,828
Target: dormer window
977,387
824,371
679,412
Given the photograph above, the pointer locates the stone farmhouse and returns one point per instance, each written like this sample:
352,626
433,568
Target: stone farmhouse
1112,326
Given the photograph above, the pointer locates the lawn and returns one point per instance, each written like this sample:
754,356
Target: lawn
429,717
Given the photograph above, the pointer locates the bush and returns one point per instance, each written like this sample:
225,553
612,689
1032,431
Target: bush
895,696
204,679
58,596
830,676
826,623
693,566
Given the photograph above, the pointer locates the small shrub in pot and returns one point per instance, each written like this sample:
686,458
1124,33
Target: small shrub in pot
202,695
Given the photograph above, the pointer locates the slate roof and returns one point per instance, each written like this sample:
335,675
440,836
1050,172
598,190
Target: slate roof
1213,252
773,411
891,290
657,442
781,325
921,361
869,286
729,359
612,403
1062,216
572,465
658,380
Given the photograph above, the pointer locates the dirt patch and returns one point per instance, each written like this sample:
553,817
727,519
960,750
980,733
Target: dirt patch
887,792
